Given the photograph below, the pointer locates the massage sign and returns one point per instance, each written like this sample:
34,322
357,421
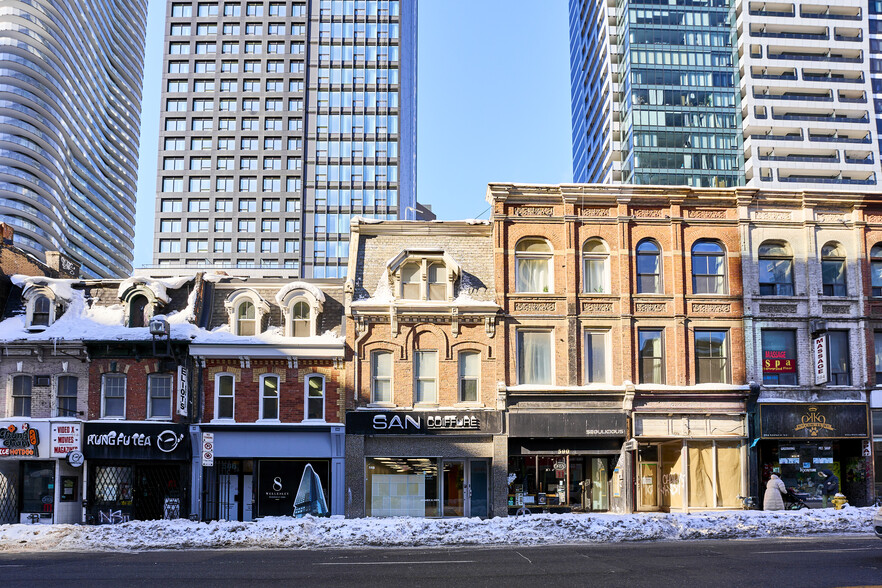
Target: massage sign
19,442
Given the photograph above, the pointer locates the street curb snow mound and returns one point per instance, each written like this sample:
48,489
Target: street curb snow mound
309,532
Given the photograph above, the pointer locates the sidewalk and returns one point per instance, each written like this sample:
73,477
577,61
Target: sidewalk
283,532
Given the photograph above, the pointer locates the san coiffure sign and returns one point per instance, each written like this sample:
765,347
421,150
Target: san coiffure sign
136,441
484,422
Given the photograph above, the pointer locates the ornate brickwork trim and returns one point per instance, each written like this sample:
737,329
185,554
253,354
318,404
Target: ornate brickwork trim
710,308
830,217
874,218
709,214
835,308
535,306
597,307
651,307
595,212
778,308
533,211
770,215
647,212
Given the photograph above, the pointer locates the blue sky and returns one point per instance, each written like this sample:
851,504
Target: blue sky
493,93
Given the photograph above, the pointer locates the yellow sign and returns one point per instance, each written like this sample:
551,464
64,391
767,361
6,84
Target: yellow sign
813,421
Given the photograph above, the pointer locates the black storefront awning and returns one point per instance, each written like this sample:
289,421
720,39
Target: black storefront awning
585,424
565,446
814,421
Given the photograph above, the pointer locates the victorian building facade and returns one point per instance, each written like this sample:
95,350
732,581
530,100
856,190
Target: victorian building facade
623,373
424,436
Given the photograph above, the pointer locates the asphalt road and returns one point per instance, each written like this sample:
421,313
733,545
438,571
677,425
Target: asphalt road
802,562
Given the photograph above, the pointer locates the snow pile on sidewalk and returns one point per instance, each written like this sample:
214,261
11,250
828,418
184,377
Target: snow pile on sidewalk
283,532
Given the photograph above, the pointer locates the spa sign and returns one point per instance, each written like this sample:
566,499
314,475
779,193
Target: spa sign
814,421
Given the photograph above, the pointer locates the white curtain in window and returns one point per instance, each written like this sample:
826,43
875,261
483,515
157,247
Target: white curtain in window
594,279
535,358
532,275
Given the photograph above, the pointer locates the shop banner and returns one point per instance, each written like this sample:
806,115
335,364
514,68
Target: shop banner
183,391
136,441
777,362
24,439
814,421
819,357
65,438
567,424
452,422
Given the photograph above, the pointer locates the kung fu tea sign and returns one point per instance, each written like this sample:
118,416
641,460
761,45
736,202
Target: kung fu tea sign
23,439
814,421
136,441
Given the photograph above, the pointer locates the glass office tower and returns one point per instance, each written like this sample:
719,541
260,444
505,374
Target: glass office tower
70,106
280,121
671,105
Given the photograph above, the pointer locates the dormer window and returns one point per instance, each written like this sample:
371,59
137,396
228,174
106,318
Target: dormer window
138,311
301,304
42,310
246,310
424,275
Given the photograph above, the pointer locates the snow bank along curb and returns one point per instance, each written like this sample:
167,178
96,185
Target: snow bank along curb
282,532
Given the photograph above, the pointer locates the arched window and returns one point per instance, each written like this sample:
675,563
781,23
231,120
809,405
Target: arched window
533,266
775,269
410,281
381,376
595,267
138,311
300,319
224,396
469,376
269,397
437,278
40,317
648,267
833,270
876,269
245,319
315,397
708,268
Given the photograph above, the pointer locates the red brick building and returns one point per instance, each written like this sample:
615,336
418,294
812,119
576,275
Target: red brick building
623,365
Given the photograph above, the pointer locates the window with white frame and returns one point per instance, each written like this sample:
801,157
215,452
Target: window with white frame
315,397
159,396
246,320
838,359
113,396
436,278
708,268
469,376
595,267
410,281
224,396
534,357
712,357
651,355
596,356
425,370
40,307
775,262
833,270
21,396
41,313
533,266
300,319
381,377
269,397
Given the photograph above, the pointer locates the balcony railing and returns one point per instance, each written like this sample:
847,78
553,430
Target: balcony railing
817,180
805,14
777,137
811,36
799,158
834,139
792,96
792,13
814,78
820,118
813,57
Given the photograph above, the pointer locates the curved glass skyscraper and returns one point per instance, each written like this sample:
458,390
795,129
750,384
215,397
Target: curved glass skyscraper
70,103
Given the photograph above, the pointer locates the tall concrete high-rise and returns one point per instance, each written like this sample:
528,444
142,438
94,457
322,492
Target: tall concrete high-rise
280,122
70,106
724,92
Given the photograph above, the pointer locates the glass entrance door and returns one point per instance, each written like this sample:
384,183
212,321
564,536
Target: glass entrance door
466,489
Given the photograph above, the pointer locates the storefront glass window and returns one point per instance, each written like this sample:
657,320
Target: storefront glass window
728,473
38,486
671,473
559,482
701,474
402,486
779,357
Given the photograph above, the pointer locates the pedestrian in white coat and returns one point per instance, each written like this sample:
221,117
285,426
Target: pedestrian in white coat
775,490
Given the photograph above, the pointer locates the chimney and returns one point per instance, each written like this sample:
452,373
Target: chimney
6,232
64,265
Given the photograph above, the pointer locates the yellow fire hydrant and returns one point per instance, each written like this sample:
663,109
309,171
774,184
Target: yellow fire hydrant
839,501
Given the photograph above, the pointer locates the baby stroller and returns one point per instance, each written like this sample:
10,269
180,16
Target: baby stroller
792,501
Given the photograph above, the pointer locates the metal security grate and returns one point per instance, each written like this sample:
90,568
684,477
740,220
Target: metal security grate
8,499
119,493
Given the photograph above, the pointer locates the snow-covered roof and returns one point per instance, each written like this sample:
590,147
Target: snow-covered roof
158,287
298,285
61,289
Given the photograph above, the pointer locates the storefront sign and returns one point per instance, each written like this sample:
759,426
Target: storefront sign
136,441
777,362
567,424
23,439
819,355
423,423
65,438
207,450
183,391
814,421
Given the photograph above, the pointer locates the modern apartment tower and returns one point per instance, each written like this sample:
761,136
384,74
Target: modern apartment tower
875,28
281,120
70,105
654,97
806,91
725,92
